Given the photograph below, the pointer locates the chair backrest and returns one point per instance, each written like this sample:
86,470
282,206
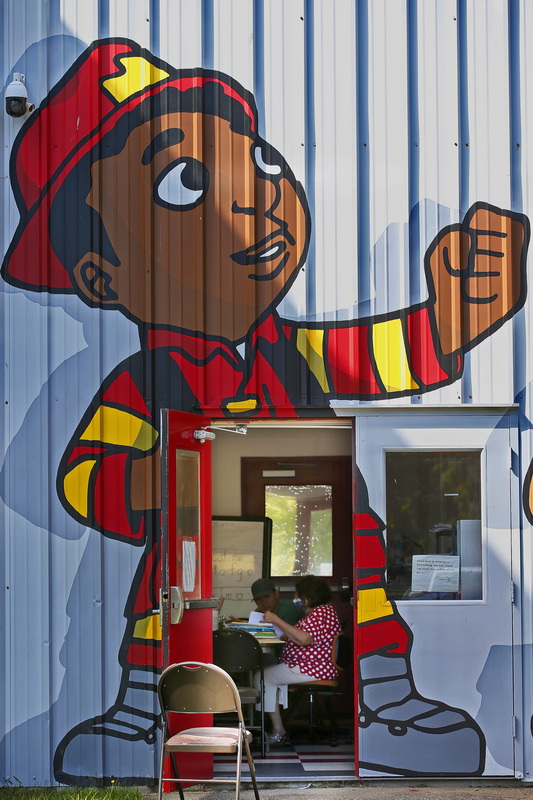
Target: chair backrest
193,687
236,650
341,651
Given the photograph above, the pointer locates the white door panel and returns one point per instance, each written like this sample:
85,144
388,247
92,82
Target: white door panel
462,649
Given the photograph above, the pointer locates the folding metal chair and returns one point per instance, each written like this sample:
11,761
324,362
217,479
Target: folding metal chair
239,653
193,687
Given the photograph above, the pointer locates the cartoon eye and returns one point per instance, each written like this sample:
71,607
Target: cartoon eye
182,185
267,159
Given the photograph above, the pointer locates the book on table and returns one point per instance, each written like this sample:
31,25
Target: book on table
264,631
256,618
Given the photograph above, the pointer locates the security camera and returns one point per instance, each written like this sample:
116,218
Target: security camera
17,97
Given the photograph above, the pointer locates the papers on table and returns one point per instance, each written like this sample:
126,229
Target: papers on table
256,618
265,632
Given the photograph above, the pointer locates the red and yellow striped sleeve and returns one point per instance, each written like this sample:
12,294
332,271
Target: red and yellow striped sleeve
392,356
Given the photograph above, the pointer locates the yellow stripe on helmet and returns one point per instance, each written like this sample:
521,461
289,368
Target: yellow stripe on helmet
139,74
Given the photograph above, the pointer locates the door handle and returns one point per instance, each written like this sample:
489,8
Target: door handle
345,590
178,604
208,602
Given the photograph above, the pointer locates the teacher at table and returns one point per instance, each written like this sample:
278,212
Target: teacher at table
306,655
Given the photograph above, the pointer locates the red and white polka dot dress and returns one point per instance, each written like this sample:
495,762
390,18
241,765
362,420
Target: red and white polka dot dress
315,659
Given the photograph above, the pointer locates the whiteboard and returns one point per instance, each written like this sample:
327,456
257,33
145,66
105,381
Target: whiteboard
240,556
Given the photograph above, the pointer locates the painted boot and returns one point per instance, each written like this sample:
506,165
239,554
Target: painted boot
401,732
112,747
405,733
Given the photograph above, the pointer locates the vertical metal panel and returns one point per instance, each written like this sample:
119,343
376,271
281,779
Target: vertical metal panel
233,50
522,29
437,105
335,158
181,33
388,128
396,117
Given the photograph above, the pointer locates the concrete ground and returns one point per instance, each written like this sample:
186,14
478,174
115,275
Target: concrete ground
368,790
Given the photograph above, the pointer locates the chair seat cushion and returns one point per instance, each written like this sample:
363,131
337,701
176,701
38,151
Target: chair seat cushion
310,684
248,694
206,737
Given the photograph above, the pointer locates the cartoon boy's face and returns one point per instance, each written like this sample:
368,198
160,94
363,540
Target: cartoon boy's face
206,223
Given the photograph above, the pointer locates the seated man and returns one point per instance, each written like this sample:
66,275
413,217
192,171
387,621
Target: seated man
266,597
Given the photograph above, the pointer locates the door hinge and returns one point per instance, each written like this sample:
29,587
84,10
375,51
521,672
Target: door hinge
512,589
513,720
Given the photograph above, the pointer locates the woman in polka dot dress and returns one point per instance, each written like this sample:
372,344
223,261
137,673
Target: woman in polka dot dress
307,652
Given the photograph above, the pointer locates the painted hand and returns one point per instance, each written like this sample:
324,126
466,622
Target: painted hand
476,275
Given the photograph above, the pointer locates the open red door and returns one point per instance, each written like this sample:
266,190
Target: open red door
186,581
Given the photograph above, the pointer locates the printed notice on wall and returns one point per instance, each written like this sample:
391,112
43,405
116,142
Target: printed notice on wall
435,573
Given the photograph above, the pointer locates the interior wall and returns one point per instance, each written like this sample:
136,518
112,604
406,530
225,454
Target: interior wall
228,449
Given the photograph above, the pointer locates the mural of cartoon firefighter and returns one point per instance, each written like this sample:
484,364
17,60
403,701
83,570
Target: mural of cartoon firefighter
159,198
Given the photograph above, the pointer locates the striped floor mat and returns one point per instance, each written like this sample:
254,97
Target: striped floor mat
302,762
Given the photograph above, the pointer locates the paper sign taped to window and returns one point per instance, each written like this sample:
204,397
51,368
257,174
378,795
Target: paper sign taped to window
435,573
189,565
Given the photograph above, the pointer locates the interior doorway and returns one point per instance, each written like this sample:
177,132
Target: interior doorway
317,458
309,502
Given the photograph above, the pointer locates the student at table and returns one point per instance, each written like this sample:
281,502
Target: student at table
266,598
306,655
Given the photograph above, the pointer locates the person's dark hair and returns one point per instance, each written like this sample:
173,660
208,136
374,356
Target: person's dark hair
314,590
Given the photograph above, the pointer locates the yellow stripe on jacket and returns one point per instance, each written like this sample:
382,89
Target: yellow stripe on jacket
390,356
113,426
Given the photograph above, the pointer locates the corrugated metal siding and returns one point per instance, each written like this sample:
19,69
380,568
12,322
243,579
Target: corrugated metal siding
396,116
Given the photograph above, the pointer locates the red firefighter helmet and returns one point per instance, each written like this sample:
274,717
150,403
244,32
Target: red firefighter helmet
108,80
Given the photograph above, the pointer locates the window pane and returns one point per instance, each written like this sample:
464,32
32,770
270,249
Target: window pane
433,525
188,522
302,539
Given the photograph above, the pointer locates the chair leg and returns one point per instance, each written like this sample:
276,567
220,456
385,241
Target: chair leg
242,737
315,726
161,768
263,732
315,719
161,765
251,767
177,774
330,706
312,723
